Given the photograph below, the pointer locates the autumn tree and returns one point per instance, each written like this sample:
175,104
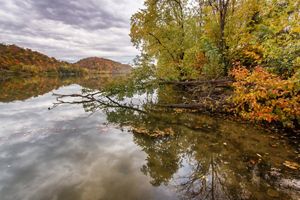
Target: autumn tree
216,14
192,39
160,31
265,33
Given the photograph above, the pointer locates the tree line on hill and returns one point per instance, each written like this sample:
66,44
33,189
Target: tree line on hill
17,60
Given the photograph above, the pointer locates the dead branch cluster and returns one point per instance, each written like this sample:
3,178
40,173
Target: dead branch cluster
207,95
99,98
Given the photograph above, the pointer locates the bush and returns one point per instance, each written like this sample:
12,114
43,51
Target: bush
263,96
67,69
22,68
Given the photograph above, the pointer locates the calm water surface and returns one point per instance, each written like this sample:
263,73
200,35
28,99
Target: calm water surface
67,153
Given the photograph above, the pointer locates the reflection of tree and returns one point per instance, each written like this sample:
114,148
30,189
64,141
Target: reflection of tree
207,158
163,158
164,155
205,181
22,88
201,167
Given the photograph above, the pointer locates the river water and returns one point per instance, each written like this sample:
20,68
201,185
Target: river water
70,153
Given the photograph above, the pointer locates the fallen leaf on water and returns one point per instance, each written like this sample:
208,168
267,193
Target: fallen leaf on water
153,133
169,131
291,165
272,193
140,130
178,110
253,162
258,155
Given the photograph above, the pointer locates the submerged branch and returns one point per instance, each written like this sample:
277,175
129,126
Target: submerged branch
197,107
90,98
221,82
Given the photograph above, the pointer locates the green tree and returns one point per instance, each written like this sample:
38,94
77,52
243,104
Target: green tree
160,31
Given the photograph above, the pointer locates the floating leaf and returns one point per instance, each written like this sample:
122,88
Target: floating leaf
272,193
291,165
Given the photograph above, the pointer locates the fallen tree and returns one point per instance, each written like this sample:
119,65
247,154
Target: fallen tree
220,82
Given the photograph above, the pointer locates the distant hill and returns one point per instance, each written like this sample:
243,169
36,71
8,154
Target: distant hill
17,60
104,65
13,55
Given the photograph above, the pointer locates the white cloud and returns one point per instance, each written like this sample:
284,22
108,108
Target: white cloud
70,30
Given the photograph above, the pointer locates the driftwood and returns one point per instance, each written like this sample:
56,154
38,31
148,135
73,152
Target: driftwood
205,95
97,97
220,82
195,106
182,105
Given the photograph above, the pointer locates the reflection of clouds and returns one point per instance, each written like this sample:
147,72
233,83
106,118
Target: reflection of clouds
59,154
92,166
32,116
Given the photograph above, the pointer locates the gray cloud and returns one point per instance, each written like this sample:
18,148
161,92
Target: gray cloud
81,13
70,30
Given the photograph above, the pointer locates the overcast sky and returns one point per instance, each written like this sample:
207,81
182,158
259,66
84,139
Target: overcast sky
70,29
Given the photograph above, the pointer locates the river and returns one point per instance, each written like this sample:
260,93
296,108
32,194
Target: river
70,152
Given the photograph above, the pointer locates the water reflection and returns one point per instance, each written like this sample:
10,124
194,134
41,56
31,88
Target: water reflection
70,153
228,161
209,157
22,88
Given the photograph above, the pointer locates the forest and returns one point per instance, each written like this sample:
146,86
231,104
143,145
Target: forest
15,60
232,56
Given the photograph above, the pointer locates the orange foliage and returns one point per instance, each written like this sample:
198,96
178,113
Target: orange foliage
263,96
251,55
200,61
